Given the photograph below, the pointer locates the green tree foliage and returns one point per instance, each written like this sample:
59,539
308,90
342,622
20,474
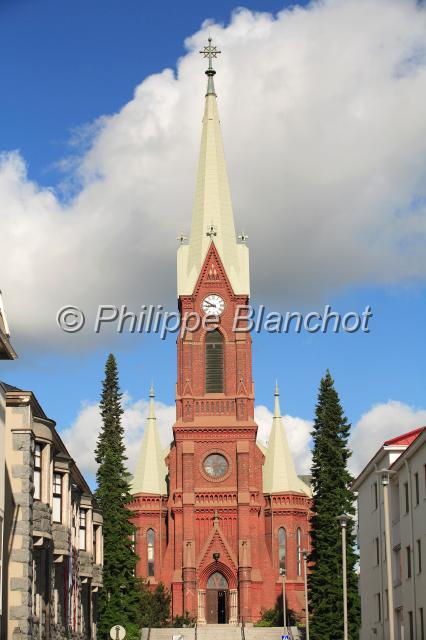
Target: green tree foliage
155,605
332,497
120,597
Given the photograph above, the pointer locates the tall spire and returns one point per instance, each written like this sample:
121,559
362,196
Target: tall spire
279,472
151,470
212,216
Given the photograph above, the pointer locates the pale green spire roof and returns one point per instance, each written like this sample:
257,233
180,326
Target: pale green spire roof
279,472
212,216
151,470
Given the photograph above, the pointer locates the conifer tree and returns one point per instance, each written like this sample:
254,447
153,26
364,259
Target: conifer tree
332,497
119,600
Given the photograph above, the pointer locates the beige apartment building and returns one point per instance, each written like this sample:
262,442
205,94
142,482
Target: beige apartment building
52,545
6,353
404,458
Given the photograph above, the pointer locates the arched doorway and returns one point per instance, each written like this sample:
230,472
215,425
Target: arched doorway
217,599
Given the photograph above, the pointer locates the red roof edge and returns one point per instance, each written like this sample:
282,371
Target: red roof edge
405,438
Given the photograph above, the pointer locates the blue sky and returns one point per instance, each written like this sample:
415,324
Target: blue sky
63,66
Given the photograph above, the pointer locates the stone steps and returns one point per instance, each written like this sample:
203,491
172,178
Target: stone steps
215,632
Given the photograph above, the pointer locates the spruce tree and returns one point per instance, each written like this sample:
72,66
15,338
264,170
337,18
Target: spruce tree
332,497
119,600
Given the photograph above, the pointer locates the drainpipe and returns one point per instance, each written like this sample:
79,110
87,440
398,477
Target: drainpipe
413,567
381,531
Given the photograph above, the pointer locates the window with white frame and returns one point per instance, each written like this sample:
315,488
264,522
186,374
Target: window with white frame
82,529
57,497
37,471
299,551
150,542
281,547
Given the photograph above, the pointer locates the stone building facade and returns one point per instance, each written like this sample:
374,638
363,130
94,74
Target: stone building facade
219,517
52,540
404,459
6,353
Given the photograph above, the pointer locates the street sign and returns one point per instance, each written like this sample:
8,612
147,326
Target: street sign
285,637
117,632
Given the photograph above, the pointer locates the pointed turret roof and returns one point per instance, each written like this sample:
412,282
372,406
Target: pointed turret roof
279,472
212,216
151,470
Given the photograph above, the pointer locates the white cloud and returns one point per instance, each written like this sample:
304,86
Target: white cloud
325,136
80,438
382,422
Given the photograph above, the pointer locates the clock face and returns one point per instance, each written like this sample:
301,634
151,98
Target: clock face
215,465
213,305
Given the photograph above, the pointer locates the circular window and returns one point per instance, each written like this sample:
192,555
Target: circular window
216,465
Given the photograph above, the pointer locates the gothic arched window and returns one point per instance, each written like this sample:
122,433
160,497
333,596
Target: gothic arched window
281,547
150,542
299,551
214,362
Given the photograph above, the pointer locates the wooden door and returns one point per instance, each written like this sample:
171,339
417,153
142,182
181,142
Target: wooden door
211,606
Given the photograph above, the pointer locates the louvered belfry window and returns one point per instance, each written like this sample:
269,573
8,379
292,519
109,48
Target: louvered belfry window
214,362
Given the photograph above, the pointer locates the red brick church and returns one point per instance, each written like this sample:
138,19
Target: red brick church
219,516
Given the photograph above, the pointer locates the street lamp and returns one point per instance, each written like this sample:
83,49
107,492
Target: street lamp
343,519
385,475
305,574
282,574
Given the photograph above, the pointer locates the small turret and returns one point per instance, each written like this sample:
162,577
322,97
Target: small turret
151,470
279,472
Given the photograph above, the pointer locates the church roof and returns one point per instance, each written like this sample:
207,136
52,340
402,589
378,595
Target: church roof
279,472
151,470
212,216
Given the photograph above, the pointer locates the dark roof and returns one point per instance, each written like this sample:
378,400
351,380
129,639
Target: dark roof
9,387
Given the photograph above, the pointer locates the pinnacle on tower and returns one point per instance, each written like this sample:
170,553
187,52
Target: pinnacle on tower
151,470
279,472
212,216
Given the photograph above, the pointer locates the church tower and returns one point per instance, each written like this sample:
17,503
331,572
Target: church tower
212,533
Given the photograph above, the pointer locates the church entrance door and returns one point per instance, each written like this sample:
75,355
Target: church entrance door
217,599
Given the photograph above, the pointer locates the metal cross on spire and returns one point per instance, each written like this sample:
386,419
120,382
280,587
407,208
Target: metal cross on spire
210,52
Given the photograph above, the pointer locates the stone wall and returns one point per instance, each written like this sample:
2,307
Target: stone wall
21,572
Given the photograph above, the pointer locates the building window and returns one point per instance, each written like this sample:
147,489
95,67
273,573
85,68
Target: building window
214,362
299,551
417,488
407,498
398,567
57,497
410,625
387,604
422,624
281,547
408,557
377,548
82,529
419,556
150,542
37,471
375,494
378,607
94,545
